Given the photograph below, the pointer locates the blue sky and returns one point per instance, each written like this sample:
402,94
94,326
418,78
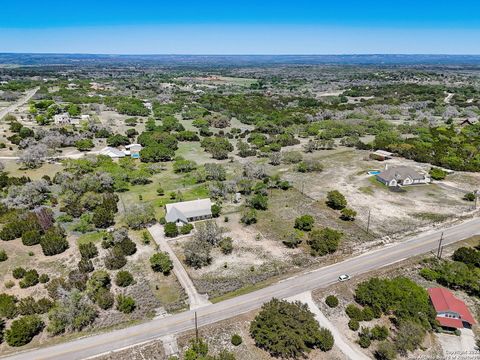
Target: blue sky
241,27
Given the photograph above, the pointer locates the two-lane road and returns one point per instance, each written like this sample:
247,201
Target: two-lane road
118,339
23,100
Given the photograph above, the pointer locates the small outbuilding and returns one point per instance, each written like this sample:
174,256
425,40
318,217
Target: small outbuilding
452,313
381,155
402,176
187,211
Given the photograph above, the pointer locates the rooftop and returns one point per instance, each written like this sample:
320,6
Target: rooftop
444,300
188,209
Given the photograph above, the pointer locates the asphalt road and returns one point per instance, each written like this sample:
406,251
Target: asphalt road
23,100
115,340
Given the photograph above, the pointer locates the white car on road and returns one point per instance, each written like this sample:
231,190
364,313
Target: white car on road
344,277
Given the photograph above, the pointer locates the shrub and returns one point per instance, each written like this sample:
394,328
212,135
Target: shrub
249,217
353,324
186,229
379,332
103,218
354,312
77,279
22,331
216,209
115,259
364,338
325,340
437,174
72,312
31,237
8,307
236,340
53,287
197,253
385,351
304,222
288,330
367,314
127,246
258,202
293,240
467,255
336,200
54,241
88,250
324,241
19,272
3,255
409,337
104,298
85,265
469,196
161,262
171,230
30,279
99,279
125,304
429,274
348,214
331,301
44,278
123,279
226,245
9,284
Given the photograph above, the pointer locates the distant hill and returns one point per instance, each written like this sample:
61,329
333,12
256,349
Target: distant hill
234,60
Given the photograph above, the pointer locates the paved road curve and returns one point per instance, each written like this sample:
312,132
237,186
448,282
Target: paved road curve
118,339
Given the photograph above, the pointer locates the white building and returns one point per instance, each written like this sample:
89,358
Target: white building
62,119
187,211
114,153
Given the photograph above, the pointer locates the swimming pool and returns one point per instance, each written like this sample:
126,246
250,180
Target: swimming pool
374,172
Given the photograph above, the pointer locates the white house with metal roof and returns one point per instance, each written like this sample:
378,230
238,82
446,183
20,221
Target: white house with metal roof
112,152
187,211
402,176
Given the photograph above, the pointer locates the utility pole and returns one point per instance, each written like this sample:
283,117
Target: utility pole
368,221
439,255
196,326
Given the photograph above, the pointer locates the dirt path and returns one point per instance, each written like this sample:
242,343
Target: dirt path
195,299
343,344
448,98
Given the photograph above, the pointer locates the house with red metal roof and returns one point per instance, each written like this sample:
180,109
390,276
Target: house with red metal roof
451,312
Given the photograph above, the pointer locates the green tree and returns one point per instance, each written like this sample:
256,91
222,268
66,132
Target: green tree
22,331
123,278
84,144
385,351
336,200
409,337
8,307
258,202
324,241
288,330
331,301
161,262
170,229
348,214
54,241
88,250
125,304
304,222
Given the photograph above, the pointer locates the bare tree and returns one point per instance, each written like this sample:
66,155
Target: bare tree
33,156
